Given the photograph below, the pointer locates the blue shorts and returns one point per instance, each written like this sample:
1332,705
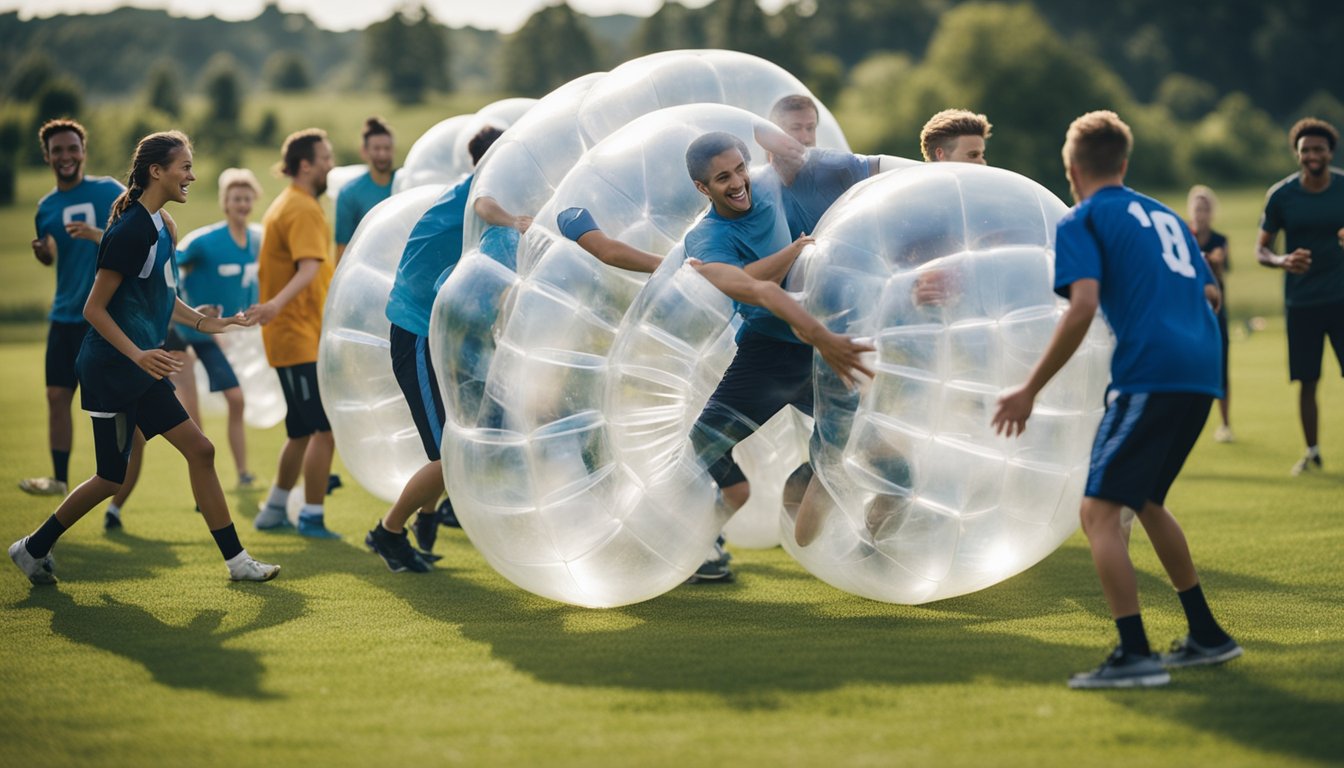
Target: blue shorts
415,376
216,365
303,404
1142,443
766,374
154,412
63,341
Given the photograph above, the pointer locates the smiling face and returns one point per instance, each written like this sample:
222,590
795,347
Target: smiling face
1314,155
65,154
176,177
238,203
378,152
728,185
315,171
801,125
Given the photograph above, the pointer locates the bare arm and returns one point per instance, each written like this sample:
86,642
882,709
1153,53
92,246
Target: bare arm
266,312
774,267
205,322
616,253
1297,262
156,362
491,212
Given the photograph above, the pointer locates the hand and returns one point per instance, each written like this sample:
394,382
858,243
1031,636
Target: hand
158,362
83,230
44,250
802,242
521,223
1010,419
261,314
1297,262
216,324
210,310
845,356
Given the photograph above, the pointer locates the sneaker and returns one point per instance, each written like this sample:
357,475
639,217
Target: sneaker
247,482
396,551
1224,435
272,518
333,482
38,571
447,517
710,572
245,568
42,486
426,530
315,527
1308,463
717,554
1123,671
111,522
1188,653
428,557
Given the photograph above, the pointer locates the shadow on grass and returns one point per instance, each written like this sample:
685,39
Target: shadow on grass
136,558
194,656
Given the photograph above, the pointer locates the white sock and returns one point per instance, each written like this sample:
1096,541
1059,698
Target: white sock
114,510
237,559
311,510
279,497
1313,451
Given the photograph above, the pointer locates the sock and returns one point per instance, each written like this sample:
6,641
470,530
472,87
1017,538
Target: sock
278,497
226,539
114,510
60,465
1133,640
312,510
237,559
1312,451
1204,628
44,538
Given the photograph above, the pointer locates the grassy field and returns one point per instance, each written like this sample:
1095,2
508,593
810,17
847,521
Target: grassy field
145,654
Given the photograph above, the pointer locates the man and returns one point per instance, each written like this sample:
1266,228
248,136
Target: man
1129,254
955,135
359,197
1309,207
294,271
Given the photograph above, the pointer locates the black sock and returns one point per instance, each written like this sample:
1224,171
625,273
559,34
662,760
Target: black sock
60,465
44,538
1133,640
226,539
1204,628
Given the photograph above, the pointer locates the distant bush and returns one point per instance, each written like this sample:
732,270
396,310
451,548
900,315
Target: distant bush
287,72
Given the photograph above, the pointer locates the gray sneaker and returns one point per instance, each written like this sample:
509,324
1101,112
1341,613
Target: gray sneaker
44,486
1307,464
272,518
246,568
1123,671
1188,653
38,570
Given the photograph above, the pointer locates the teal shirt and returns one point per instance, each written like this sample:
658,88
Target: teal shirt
1310,220
76,260
355,201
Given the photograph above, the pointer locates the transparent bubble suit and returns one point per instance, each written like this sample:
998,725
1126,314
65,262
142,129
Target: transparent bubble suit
948,268
440,155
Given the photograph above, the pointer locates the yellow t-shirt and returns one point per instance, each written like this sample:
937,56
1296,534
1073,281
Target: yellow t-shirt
295,229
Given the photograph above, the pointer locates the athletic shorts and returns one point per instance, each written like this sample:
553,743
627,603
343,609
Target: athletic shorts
304,415
63,342
174,342
1307,329
1142,443
415,376
766,374
216,365
154,412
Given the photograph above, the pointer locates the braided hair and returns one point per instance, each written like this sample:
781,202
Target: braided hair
154,149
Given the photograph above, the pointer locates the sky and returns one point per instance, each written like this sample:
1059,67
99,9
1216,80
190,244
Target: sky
502,15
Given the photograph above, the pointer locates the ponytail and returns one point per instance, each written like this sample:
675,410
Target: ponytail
154,149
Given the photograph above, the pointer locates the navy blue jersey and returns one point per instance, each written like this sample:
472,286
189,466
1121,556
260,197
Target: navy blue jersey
1314,221
1152,282
89,201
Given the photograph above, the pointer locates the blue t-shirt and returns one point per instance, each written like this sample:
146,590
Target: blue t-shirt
758,233
1311,220
355,200
1152,282
76,259
431,252
221,272
138,246
825,176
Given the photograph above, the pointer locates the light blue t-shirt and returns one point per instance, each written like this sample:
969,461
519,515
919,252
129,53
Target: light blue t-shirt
432,250
76,259
825,176
1152,280
354,202
758,233
221,272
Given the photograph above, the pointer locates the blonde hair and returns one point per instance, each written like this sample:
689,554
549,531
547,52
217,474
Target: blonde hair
1201,192
1098,144
237,177
944,128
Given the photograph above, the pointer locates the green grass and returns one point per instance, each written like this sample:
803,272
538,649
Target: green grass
146,654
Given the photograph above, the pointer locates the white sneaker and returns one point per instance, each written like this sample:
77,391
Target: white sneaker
42,486
38,571
1224,435
272,518
244,568
1310,462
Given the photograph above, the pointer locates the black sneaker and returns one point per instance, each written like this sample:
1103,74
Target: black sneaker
1188,653
111,522
447,517
1121,670
333,482
712,572
426,530
395,550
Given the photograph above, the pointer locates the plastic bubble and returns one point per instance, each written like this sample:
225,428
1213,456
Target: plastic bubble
263,400
947,267
374,432
768,459
341,175
440,156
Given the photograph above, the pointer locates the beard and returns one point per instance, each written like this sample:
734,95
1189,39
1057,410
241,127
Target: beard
319,186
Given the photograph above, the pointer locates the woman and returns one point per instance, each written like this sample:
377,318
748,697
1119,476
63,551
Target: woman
123,366
1201,206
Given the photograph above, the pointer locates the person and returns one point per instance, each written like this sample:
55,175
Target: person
129,308
1129,254
1308,206
1201,205
955,135
219,268
69,225
370,188
294,271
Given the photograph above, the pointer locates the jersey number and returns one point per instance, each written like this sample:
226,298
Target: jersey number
1175,251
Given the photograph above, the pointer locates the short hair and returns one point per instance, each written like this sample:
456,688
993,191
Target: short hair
1201,192
1098,144
482,141
299,146
60,125
237,177
1313,126
943,129
374,126
792,103
708,147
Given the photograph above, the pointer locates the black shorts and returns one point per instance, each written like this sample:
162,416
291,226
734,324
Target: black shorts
1222,331
1142,443
303,403
415,376
1307,329
63,341
174,342
216,365
766,374
153,413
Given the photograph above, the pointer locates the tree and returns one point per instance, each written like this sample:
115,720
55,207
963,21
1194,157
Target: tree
31,75
550,49
1186,97
11,144
287,72
164,90
409,52
223,87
